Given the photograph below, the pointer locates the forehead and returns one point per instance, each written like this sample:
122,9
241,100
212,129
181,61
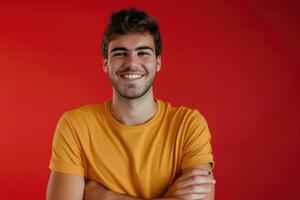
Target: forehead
131,41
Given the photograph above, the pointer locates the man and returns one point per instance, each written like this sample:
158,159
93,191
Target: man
133,146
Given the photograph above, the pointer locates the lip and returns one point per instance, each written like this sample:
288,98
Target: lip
132,76
131,73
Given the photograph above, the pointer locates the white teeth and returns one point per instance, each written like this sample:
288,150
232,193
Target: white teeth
132,76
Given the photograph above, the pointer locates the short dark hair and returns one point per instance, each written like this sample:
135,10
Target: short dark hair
131,21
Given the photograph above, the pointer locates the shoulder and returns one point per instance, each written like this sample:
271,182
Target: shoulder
181,112
84,109
84,113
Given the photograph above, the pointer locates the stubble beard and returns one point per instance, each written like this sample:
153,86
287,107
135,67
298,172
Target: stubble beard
137,95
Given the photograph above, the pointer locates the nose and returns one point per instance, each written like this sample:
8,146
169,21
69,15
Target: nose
131,60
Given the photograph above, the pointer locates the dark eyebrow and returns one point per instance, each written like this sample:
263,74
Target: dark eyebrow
144,47
136,49
118,49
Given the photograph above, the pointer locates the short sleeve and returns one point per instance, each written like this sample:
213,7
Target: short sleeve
197,147
66,150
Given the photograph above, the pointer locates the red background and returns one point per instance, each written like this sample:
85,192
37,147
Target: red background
238,63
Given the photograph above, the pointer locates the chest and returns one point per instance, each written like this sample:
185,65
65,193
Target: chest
140,162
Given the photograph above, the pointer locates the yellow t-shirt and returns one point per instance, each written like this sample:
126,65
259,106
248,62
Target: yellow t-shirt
141,161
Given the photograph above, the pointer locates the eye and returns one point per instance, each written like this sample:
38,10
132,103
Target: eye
143,53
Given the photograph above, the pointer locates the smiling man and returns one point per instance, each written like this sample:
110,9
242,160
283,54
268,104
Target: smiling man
132,146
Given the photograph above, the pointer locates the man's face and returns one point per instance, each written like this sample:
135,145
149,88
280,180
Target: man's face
132,64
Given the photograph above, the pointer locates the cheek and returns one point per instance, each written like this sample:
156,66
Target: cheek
111,67
150,66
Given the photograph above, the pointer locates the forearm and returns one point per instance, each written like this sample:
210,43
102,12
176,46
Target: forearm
95,191
115,196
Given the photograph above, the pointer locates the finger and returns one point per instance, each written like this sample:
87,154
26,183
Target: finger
194,189
195,172
192,196
195,180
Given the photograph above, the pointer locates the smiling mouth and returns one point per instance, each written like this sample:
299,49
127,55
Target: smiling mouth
131,76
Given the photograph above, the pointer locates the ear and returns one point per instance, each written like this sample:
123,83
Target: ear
158,63
105,65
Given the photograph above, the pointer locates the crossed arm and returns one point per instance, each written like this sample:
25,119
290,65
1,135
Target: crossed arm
194,183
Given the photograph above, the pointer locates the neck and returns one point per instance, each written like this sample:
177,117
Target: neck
133,111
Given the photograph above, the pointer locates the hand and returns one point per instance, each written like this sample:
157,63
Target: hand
191,185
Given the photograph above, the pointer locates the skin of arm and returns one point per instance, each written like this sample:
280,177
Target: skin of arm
63,186
195,183
95,191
